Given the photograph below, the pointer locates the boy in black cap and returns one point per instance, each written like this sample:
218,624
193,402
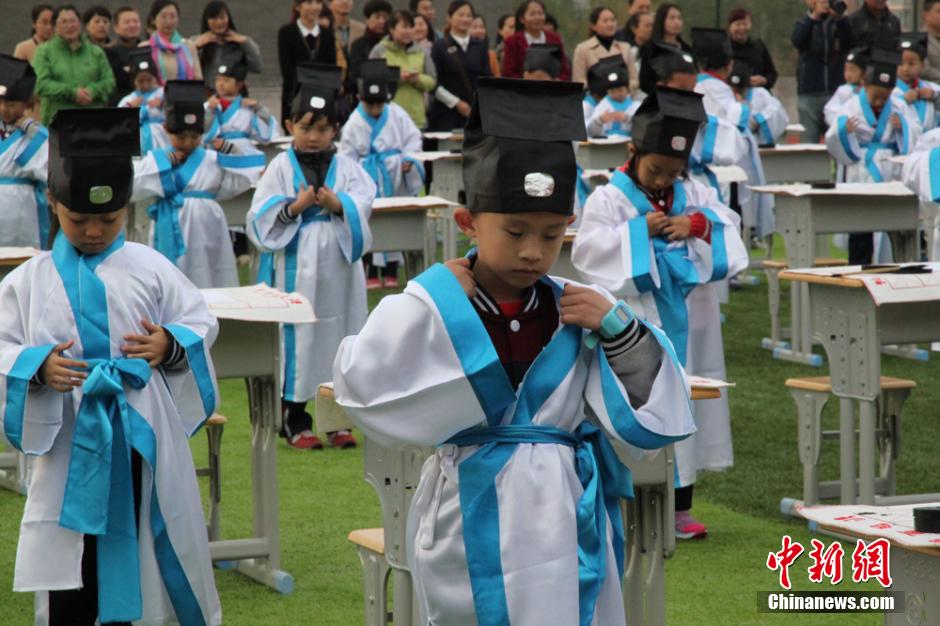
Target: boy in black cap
382,138
185,182
869,129
662,241
543,61
920,95
148,96
768,119
310,215
96,334
24,212
596,85
495,361
855,63
612,114
232,117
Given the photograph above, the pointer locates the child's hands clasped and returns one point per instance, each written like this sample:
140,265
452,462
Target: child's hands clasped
655,222
306,198
151,347
851,124
60,372
912,95
584,307
678,228
461,270
328,199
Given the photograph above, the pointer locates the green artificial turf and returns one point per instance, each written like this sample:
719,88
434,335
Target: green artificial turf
715,581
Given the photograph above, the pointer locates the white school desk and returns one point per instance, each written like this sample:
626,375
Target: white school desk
800,162
602,153
447,141
853,328
251,350
915,571
794,131
403,224
803,213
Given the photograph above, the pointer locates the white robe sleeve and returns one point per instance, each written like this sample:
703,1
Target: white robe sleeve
911,127
357,193
184,314
771,117
239,172
32,414
835,104
408,376
264,127
596,126
724,255
613,248
928,140
151,173
273,193
354,142
843,145
33,159
921,174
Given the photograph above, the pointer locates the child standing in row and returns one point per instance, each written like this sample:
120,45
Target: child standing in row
919,96
24,209
310,214
148,96
516,519
612,114
661,241
105,374
230,116
185,183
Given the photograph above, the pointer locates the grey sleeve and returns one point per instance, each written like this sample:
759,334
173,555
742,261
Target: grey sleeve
253,56
635,357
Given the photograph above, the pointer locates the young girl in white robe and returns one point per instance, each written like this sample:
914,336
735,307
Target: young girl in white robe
148,96
181,188
24,210
662,247
310,215
105,373
919,96
516,519
242,121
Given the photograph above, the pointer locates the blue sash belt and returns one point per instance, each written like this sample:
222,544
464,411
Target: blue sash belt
870,165
604,479
167,233
374,165
99,493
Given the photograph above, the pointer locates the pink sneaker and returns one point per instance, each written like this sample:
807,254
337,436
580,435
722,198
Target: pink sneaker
390,282
373,283
687,527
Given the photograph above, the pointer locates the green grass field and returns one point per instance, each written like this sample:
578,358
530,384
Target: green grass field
716,581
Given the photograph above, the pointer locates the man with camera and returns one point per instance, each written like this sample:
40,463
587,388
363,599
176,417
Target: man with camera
822,37
875,23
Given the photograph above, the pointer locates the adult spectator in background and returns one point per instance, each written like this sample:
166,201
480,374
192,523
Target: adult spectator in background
328,22
505,28
376,13
600,45
459,61
874,23
667,30
97,24
423,34
627,33
41,16
71,71
302,40
530,29
639,6
640,27
418,76
176,58
932,26
425,8
126,38
822,38
345,28
751,51
478,31
220,36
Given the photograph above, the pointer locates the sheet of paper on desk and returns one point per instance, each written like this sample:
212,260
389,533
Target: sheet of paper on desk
436,155
430,202
608,141
842,189
729,173
13,252
442,135
708,383
895,523
259,303
798,147
900,288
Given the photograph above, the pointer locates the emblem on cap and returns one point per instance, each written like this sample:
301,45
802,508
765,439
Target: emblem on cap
189,118
851,57
735,80
539,185
101,194
884,77
678,143
905,44
317,102
612,76
374,89
223,69
143,65
3,90
687,58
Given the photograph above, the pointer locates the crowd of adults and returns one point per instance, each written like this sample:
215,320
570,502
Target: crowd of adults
81,58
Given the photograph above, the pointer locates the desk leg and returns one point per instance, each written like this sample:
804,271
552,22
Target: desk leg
905,246
13,471
795,227
847,450
867,421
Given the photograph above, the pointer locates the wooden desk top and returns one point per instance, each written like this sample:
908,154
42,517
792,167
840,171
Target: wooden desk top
837,281
405,204
935,552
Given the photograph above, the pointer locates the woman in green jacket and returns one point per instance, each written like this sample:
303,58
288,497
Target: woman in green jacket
71,71
418,75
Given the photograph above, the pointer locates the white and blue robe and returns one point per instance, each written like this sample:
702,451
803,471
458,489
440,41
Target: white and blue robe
718,143
79,443
769,120
671,285
319,255
924,110
24,208
588,104
597,127
188,225
516,518
767,124
866,153
381,146
921,174
242,125
843,94
152,132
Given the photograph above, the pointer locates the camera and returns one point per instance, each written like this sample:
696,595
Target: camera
838,7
